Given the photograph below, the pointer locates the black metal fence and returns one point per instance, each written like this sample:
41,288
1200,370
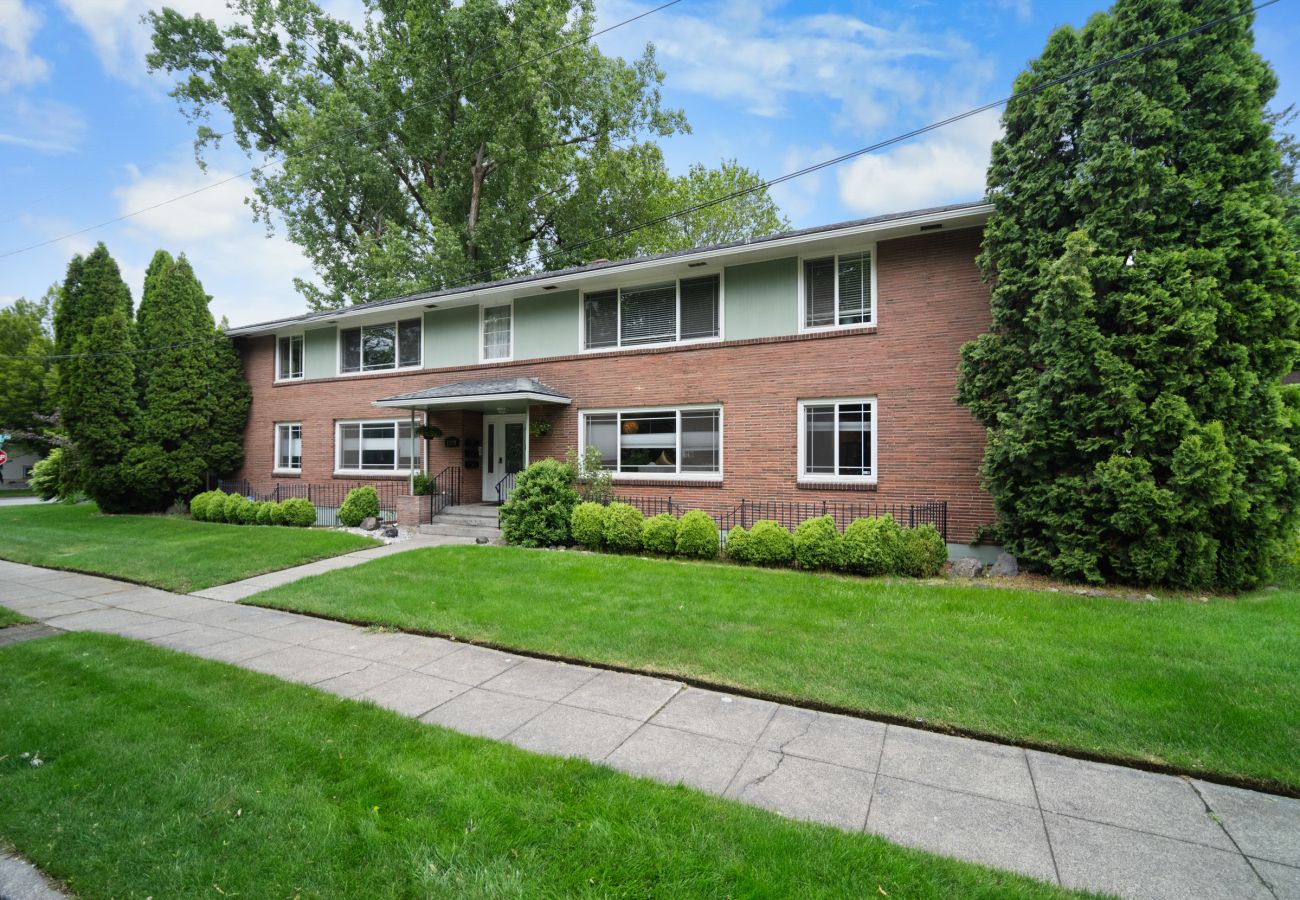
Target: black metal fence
449,486
327,498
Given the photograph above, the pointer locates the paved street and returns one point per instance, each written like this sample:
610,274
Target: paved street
1080,824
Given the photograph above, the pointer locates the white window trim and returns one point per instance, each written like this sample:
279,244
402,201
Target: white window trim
803,295
619,348
835,478
679,476
300,336
338,346
275,466
482,336
421,465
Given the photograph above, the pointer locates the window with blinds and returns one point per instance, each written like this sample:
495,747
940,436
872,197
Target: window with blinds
837,440
289,352
496,332
288,447
383,446
663,313
657,442
837,291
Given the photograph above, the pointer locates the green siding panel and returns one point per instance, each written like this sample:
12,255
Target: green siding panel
319,353
451,337
762,299
546,325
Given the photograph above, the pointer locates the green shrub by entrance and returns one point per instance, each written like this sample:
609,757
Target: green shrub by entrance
236,509
360,504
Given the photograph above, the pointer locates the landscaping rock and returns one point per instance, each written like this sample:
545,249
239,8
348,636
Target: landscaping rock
1005,566
482,540
390,532
369,523
967,567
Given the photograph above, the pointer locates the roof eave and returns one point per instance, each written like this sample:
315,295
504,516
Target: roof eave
454,402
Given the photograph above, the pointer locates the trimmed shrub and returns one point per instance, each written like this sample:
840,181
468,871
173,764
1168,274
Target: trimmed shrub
659,534
697,535
264,513
298,512
739,545
587,525
623,523
818,544
540,508
423,485
360,503
923,552
873,546
232,508
277,514
770,544
47,475
248,512
201,505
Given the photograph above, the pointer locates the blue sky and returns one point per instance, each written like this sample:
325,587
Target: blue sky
86,134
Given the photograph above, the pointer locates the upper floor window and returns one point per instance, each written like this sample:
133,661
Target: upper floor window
837,440
376,446
497,332
838,291
657,442
288,447
373,348
288,353
687,309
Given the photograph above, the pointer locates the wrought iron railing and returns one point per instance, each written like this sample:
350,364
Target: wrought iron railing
327,498
505,486
449,486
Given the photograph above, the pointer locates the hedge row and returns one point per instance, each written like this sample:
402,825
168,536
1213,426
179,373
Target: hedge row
236,509
867,547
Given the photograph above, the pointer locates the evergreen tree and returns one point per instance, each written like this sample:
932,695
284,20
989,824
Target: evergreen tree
229,399
1144,309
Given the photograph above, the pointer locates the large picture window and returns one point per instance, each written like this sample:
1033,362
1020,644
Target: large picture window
687,309
837,440
657,442
838,291
375,447
373,348
288,352
288,447
497,332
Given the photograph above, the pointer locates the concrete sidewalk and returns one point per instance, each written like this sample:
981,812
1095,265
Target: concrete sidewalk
1085,825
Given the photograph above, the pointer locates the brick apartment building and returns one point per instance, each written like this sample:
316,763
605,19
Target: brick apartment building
817,365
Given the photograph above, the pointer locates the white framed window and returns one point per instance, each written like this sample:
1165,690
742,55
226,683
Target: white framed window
374,348
680,311
682,442
376,446
288,447
837,291
837,440
288,357
496,324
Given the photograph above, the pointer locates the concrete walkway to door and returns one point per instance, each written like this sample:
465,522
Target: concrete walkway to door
1080,824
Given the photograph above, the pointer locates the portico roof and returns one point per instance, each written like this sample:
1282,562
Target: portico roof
478,393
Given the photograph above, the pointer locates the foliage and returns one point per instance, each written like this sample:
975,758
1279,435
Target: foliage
361,503
297,512
1144,310
770,544
593,482
263,516
622,527
201,505
423,485
738,545
587,525
46,478
818,544
873,546
26,377
659,534
278,514
232,508
541,505
1286,177
476,173
923,552
697,535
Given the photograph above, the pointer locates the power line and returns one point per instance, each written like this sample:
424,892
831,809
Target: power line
844,157
347,134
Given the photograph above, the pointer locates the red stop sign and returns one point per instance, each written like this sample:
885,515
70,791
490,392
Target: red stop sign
4,457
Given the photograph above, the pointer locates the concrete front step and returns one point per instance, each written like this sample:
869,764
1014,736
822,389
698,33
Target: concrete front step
471,521
445,529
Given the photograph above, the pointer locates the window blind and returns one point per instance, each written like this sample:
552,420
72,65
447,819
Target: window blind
819,292
855,288
649,314
601,313
699,308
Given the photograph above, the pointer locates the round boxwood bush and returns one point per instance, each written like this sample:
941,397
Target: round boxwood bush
873,546
277,515
540,508
623,523
739,544
361,503
770,544
818,544
232,508
923,552
248,512
659,534
697,535
201,505
298,512
588,525
264,512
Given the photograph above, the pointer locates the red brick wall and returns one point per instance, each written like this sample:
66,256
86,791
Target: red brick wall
930,301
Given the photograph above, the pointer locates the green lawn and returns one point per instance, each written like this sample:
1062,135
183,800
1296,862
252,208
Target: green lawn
17,492
170,776
169,552
9,617
1204,687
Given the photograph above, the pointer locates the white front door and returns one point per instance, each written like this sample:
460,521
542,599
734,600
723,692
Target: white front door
505,451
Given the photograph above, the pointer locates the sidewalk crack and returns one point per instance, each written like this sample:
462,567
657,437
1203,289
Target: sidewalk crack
1209,811
1042,817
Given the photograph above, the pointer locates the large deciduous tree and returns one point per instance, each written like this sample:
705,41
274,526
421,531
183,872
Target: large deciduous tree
26,383
1144,309
431,145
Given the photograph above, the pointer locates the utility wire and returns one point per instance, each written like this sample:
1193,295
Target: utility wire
346,134
853,154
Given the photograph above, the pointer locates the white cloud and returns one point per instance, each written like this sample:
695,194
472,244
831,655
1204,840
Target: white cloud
945,166
18,65
48,126
798,198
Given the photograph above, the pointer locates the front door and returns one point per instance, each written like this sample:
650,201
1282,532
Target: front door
505,451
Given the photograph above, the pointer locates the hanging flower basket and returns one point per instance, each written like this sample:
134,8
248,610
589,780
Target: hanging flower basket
429,432
537,429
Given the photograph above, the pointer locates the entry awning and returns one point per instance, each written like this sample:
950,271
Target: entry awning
480,393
